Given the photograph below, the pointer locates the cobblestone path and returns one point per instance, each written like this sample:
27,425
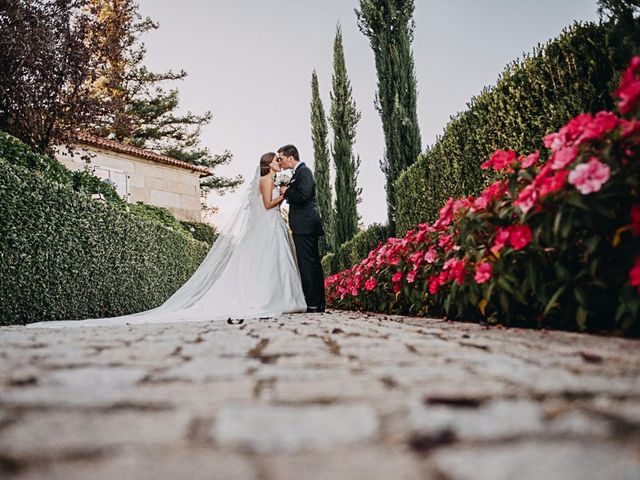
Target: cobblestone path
330,396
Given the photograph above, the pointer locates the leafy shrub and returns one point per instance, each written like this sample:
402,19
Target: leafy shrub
66,256
354,250
328,266
17,153
159,215
551,243
533,96
201,231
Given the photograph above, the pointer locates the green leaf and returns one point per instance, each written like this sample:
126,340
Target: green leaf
554,299
581,318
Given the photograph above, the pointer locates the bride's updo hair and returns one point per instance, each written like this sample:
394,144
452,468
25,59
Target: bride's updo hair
265,161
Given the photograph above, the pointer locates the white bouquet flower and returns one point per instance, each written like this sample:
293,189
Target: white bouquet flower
283,178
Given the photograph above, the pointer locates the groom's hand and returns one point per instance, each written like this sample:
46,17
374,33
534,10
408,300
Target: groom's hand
283,189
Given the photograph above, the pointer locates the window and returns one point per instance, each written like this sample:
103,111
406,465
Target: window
118,178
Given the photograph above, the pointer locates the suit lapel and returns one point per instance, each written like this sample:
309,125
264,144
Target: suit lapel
296,172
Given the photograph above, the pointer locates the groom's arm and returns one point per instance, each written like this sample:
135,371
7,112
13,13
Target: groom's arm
301,190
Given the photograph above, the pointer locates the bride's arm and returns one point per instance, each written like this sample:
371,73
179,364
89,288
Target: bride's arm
266,189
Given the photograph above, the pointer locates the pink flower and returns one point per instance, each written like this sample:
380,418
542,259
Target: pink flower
500,159
629,129
563,157
527,198
494,191
589,177
553,141
519,236
370,284
461,203
551,183
483,272
629,90
634,274
396,287
411,276
397,277
434,284
500,240
575,127
430,256
635,219
422,233
416,258
530,159
601,124
446,242
446,214
455,269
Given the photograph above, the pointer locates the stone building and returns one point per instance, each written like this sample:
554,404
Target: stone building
141,175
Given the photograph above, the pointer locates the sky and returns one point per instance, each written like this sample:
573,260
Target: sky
250,63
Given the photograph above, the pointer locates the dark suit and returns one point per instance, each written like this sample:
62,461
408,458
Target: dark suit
306,225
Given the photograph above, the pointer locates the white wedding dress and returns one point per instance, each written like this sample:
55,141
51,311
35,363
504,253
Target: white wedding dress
250,272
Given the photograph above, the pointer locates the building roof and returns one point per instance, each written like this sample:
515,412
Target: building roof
112,145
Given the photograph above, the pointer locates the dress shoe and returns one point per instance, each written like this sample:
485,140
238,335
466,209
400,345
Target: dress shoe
315,309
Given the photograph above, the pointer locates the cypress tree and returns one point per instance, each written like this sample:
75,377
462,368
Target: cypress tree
344,118
389,26
319,131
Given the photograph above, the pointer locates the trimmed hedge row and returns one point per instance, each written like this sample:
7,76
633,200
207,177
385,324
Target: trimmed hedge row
533,96
201,231
17,153
552,243
65,256
354,250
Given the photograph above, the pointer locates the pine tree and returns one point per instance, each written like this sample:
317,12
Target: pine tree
139,110
389,26
344,118
322,167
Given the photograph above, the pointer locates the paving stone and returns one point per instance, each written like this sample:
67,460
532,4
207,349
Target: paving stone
194,463
369,464
337,395
199,399
51,435
539,460
82,387
206,369
500,420
300,372
327,390
265,428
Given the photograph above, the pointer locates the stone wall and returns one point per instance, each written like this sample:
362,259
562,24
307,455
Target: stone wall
147,181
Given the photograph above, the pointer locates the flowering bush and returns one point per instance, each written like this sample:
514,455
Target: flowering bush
551,243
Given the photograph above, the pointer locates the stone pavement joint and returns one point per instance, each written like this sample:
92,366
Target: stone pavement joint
338,395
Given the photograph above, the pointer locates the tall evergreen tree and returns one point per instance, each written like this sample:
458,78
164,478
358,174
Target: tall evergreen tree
322,167
139,110
344,118
389,26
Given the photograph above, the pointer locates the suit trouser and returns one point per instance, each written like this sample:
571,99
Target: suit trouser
310,269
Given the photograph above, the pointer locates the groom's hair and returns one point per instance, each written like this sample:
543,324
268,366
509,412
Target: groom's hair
290,151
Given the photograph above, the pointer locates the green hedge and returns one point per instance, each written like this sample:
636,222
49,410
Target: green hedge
201,231
533,96
354,250
66,256
17,153
163,216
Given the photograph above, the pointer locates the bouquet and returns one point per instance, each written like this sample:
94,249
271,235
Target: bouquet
283,178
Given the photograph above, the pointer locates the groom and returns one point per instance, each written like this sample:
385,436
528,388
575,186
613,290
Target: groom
305,224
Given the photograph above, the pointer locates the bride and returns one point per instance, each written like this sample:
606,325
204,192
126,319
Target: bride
250,271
